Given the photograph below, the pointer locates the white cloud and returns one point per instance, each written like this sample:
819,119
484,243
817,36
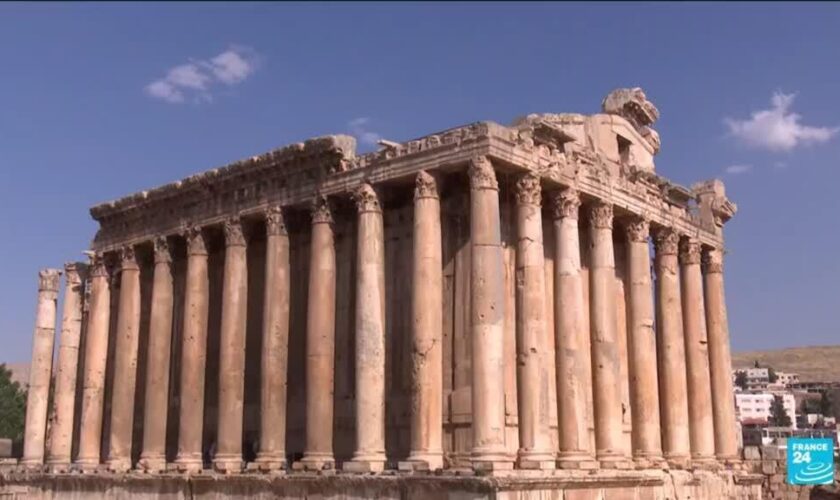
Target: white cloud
197,79
737,169
359,129
777,128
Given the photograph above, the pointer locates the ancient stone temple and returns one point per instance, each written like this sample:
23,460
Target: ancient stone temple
522,311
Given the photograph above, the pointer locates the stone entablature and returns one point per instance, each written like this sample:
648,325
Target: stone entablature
566,150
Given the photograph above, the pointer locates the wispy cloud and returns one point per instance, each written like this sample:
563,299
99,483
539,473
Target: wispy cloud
737,169
199,79
360,129
777,128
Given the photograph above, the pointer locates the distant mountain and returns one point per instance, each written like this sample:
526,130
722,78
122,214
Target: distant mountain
813,364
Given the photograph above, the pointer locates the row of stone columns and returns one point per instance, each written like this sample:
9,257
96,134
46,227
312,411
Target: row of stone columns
681,394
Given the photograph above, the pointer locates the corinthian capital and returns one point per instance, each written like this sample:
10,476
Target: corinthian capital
565,204
712,260
601,215
366,199
48,280
275,224
162,253
75,273
196,243
637,229
689,251
666,241
234,236
128,258
425,186
482,175
528,190
98,266
321,213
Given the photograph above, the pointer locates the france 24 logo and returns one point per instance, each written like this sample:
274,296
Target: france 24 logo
810,461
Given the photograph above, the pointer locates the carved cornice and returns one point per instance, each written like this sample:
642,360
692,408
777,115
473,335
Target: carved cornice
565,204
48,280
366,199
196,242
162,253
689,251
666,241
321,212
425,186
275,224
234,235
128,258
637,230
482,175
712,260
601,215
528,190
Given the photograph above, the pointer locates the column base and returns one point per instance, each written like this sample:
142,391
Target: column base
152,464
678,461
576,461
189,463
315,462
707,462
644,460
613,460
422,461
268,462
364,465
488,461
536,460
58,467
31,465
228,463
118,465
86,466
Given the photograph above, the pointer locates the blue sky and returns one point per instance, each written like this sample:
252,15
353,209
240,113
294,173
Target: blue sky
102,100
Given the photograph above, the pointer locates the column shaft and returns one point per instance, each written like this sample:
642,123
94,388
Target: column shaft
532,373
427,328
369,455
40,371
605,358
670,350
96,354
701,423
64,396
275,354
574,371
153,456
720,360
320,342
193,354
644,393
487,319
125,363
228,457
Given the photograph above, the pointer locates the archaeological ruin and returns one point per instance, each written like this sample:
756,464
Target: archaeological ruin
523,312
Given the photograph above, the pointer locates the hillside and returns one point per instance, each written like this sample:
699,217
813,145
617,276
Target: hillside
813,364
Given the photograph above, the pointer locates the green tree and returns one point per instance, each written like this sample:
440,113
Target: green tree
741,379
778,415
12,406
771,375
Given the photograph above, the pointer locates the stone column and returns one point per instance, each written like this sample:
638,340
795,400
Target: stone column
369,455
64,395
193,354
670,350
275,344
644,393
228,457
40,371
427,328
532,373
701,424
125,363
605,361
155,409
720,360
486,321
96,354
574,371
320,342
